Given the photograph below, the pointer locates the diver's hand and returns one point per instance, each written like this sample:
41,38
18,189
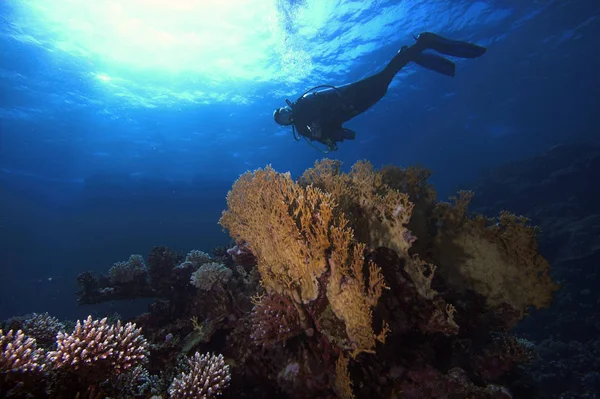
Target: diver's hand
315,130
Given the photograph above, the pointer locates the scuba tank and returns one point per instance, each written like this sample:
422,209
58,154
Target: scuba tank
329,144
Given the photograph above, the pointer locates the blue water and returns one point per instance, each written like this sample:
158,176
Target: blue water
124,123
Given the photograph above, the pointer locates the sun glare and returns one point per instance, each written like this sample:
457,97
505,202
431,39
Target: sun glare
204,36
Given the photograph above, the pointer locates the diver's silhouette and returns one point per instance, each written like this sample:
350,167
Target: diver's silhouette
319,113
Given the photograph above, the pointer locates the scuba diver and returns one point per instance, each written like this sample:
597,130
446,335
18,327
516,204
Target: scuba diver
319,113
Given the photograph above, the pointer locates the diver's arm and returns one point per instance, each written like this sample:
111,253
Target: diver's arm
338,133
303,129
329,133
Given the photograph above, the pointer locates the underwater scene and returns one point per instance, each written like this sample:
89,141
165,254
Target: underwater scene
300,199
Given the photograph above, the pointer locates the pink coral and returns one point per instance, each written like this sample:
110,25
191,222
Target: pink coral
274,320
242,255
19,353
207,378
99,346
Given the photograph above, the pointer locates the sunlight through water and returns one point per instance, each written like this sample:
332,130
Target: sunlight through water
165,53
213,38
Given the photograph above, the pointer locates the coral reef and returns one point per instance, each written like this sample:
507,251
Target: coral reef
354,284
274,320
349,249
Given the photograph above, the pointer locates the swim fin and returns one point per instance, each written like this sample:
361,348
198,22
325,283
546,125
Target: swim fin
450,47
435,63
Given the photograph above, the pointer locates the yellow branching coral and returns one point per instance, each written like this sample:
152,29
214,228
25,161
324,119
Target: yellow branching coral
385,212
327,175
497,258
378,213
295,236
412,180
286,226
350,297
343,382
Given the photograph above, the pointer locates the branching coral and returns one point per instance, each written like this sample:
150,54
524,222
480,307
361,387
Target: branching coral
194,260
496,258
43,328
274,320
385,212
210,274
19,354
129,271
292,230
343,383
350,297
100,347
286,226
207,378
378,214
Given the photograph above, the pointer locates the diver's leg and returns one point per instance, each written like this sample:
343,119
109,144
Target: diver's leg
367,92
362,95
431,41
401,59
435,63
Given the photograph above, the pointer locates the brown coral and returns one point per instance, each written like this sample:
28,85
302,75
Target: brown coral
496,258
343,382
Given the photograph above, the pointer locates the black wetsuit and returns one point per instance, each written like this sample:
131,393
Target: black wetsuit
319,115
